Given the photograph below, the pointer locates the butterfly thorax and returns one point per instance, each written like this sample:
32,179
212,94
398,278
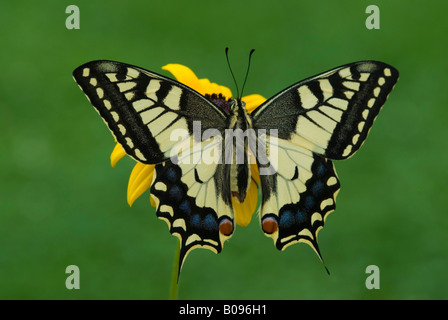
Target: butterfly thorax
238,133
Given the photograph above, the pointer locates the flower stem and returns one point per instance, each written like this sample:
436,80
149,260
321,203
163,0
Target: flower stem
174,275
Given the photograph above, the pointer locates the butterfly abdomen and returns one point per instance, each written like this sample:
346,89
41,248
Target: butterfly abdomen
237,139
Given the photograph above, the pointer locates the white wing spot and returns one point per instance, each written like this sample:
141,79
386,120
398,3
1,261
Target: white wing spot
381,81
141,104
316,215
326,88
192,238
180,223
326,203
107,104
153,87
376,91
129,95
333,113
115,116
351,85
161,123
85,72
130,143
307,98
122,129
139,155
100,93
355,139
172,99
93,82
165,208
126,86
332,181
365,113
361,126
132,73
339,103
307,233
328,123
347,150
112,77
151,114
387,72
160,186
344,73
364,76
286,239
212,242
371,102
349,94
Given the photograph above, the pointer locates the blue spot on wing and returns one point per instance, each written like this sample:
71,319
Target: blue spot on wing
317,188
210,222
171,175
321,170
309,202
196,221
175,193
185,207
301,216
286,219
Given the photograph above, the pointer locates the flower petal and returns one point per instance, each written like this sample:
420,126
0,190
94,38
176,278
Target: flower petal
139,181
244,211
185,75
211,87
116,155
253,101
254,173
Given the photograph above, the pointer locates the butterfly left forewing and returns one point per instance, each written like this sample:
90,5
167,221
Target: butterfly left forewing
143,109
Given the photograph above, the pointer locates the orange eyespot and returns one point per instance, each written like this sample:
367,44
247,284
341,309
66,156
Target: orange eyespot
269,225
226,227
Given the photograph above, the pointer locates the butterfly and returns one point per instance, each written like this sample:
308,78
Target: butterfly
293,138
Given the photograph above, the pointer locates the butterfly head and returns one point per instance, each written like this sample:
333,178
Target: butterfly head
238,109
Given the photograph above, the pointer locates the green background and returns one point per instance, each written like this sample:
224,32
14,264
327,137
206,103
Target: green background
62,203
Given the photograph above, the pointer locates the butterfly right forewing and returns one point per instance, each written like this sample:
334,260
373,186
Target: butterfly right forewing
331,113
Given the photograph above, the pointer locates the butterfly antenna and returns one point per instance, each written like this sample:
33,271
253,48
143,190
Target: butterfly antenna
247,71
233,76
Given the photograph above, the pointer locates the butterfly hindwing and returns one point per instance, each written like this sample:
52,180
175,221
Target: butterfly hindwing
194,201
331,113
298,196
143,109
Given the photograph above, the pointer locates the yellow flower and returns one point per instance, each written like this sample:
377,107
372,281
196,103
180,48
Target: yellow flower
142,174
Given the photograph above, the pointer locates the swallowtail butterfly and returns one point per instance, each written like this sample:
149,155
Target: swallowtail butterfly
323,118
